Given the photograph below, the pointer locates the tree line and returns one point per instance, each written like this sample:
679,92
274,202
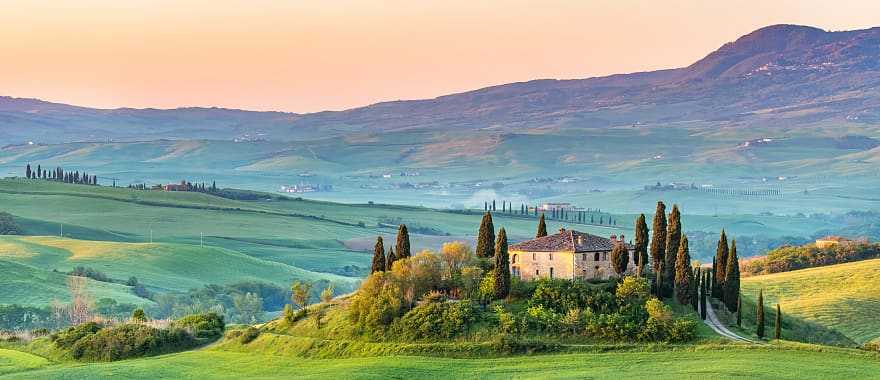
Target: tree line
556,213
60,175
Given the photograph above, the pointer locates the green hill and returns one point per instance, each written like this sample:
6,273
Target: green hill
27,285
844,297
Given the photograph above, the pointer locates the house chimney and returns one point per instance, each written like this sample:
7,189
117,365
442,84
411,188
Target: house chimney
580,240
561,230
614,237
622,240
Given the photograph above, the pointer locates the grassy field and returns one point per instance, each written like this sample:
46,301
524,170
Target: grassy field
696,362
16,361
844,297
27,285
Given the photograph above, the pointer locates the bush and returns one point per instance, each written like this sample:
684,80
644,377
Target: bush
203,326
8,226
130,341
66,338
560,296
138,315
248,335
435,320
92,273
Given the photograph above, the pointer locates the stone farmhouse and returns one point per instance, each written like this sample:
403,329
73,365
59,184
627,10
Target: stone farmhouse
568,255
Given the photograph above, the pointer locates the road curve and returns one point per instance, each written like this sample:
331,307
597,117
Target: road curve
716,325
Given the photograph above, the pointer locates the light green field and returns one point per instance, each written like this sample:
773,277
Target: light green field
844,297
16,361
27,285
718,362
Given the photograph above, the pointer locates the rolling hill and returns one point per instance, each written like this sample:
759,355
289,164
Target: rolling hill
844,297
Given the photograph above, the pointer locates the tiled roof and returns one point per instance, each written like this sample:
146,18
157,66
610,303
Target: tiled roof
566,240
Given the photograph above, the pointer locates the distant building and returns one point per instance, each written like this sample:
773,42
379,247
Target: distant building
556,206
830,241
568,254
182,186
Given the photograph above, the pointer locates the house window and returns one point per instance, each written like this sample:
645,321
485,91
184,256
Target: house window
534,257
551,257
537,272
584,257
513,260
584,273
516,272
596,256
551,273
605,256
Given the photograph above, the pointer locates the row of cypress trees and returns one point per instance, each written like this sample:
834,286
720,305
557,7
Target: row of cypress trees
726,275
60,175
383,262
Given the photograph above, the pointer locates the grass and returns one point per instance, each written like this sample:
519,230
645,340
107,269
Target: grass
15,361
27,285
844,297
694,362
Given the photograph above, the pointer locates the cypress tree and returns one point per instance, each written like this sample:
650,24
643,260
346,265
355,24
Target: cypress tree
721,252
502,266
658,239
486,237
759,315
402,246
696,275
619,258
683,273
778,332
542,227
731,282
739,310
390,259
703,289
27,171
673,242
641,246
378,256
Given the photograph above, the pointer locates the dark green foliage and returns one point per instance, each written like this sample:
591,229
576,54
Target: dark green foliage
138,315
789,258
673,241
17,317
92,273
542,227
8,226
486,237
731,281
502,266
759,315
378,256
739,310
204,326
563,295
696,275
130,341
65,339
434,320
641,244
703,290
720,265
402,246
683,273
390,259
619,258
778,332
248,335
658,240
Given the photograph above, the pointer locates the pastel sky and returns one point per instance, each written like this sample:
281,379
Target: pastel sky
306,56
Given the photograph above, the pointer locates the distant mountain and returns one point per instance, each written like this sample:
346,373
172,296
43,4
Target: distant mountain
781,75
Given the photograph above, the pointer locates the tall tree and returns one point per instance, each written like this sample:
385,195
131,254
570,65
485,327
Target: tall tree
731,281
739,310
703,289
378,256
759,315
696,275
721,252
683,273
658,238
641,246
502,266
778,332
27,171
619,258
673,242
542,227
486,237
390,259
402,246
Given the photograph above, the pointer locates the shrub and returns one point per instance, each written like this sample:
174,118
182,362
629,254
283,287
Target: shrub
138,315
66,338
506,321
522,290
203,326
8,226
130,341
40,332
248,335
436,320
563,295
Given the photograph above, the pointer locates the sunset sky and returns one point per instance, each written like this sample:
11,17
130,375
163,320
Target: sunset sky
306,56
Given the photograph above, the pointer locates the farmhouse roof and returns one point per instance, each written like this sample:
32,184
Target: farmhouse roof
567,240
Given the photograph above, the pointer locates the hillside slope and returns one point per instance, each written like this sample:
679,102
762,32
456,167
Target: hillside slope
844,297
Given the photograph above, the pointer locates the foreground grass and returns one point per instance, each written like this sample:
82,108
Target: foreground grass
844,297
16,361
698,363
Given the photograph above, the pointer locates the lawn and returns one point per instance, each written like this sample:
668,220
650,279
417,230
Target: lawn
716,362
15,361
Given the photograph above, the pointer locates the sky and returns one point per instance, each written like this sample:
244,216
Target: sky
308,56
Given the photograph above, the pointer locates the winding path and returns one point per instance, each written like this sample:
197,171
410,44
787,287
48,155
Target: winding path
713,322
